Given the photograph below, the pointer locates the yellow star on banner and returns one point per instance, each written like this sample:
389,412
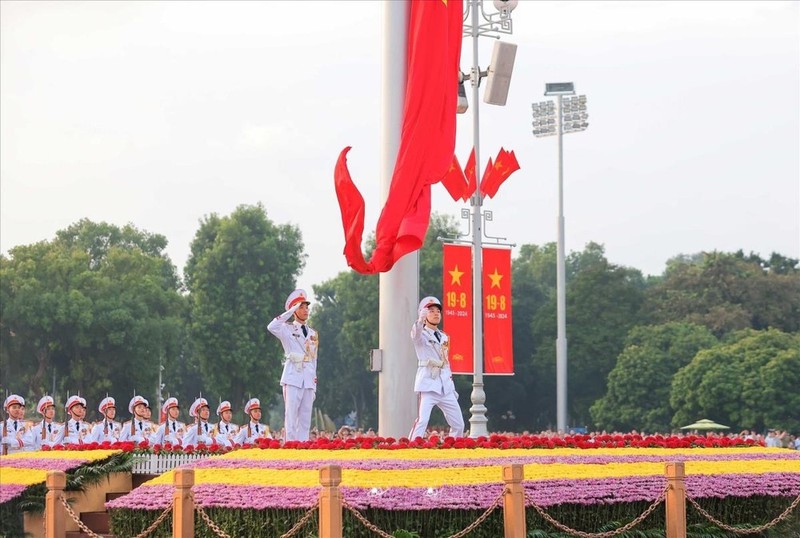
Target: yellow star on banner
455,276
495,277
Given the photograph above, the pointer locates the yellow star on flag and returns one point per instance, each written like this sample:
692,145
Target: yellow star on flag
455,276
495,277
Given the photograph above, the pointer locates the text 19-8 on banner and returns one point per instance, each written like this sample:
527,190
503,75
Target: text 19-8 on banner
457,302
498,346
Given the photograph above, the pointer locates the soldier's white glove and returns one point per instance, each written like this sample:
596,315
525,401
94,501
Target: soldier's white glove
423,313
433,363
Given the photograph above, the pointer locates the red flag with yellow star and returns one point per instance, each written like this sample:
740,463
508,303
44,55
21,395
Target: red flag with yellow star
504,165
427,141
455,182
457,302
498,356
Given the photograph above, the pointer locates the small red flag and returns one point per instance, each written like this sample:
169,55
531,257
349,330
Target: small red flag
469,171
455,182
505,165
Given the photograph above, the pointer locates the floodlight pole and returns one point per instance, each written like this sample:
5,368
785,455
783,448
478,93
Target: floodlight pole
494,23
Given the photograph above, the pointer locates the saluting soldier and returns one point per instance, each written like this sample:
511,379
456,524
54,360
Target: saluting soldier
14,428
225,431
76,430
48,432
253,430
434,380
106,429
201,431
171,430
138,428
299,380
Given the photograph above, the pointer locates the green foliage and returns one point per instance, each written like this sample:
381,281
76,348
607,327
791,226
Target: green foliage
95,308
749,381
240,270
639,385
728,292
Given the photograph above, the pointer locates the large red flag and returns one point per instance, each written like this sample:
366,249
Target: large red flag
457,301
426,143
498,357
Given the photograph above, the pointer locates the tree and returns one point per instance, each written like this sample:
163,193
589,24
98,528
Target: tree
639,385
240,270
749,381
603,303
96,308
728,292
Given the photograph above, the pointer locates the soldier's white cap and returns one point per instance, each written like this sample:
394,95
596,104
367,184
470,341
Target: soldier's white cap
72,401
429,301
251,404
106,403
224,405
168,404
44,403
195,408
14,399
136,400
298,296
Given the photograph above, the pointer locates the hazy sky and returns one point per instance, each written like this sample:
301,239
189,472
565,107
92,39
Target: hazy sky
160,113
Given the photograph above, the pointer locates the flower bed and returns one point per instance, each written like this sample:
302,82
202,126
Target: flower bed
434,483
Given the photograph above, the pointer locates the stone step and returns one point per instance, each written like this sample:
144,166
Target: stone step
99,522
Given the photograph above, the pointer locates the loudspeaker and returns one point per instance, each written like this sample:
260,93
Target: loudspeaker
499,76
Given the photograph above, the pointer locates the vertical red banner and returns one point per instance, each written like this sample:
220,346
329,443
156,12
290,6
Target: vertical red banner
457,302
498,357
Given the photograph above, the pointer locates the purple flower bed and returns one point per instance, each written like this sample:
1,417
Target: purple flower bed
543,492
50,464
10,491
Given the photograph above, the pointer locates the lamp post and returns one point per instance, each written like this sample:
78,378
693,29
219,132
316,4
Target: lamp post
568,115
493,24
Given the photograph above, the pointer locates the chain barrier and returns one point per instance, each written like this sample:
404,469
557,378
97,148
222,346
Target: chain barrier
303,521
371,526
211,525
77,519
608,534
736,530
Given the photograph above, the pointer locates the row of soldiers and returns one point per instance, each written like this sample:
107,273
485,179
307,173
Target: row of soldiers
20,435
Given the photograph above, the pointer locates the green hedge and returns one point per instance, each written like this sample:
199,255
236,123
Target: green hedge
744,512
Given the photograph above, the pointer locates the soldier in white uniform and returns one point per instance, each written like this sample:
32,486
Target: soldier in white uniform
434,381
225,431
106,429
172,430
138,428
299,380
15,432
201,431
77,430
253,430
48,432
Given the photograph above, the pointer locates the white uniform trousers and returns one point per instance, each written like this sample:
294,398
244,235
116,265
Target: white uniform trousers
297,417
448,403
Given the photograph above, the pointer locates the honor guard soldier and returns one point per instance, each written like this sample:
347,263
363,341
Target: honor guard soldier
253,430
299,380
107,429
201,431
225,430
48,432
14,429
434,381
172,430
138,428
76,430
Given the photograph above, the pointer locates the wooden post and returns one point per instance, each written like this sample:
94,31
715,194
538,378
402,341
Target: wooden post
183,509
676,500
514,501
54,513
330,502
